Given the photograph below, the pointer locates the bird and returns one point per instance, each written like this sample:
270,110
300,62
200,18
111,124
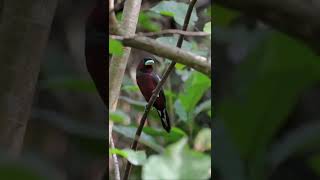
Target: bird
147,81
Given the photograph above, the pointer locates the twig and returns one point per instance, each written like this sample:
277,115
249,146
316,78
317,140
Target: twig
116,163
157,90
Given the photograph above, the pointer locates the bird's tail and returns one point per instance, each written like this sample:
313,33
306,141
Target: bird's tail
165,121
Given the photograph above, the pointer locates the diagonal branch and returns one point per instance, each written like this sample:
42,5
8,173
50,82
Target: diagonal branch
158,88
178,55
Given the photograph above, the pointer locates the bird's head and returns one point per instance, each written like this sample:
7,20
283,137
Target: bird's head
146,64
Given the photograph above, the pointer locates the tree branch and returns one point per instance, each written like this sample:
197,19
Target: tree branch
178,55
118,63
163,32
299,18
158,88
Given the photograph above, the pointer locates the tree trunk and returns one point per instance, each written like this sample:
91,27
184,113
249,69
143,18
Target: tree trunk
24,30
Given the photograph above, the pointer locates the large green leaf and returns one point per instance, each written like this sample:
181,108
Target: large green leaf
266,88
174,135
146,22
145,139
134,157
178,162
195,87
177,10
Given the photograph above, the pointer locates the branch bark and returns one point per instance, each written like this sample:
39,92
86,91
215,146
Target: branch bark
164,32
298,18
25,27
178,55
157,90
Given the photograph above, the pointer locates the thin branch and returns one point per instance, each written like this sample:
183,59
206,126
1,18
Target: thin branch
178,55
157,90
115,26
163,32
116,162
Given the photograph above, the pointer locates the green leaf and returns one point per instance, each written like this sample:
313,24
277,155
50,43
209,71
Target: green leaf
167,13
169,93
146,22
207,27
145,139
202,141
180,110
190,96
174,135
179,66
178,162
174,9
115,47
209,113
134,157
140,106
119,117
266,87
206,105
118,152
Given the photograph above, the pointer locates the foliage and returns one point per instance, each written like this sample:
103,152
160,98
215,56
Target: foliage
177,162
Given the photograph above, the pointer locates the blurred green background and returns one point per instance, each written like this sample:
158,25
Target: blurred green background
267,97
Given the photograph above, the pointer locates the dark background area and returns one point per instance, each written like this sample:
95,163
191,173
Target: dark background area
67,133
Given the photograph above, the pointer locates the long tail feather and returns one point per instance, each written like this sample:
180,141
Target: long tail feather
165,121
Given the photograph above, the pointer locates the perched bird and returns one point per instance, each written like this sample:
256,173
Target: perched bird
147,81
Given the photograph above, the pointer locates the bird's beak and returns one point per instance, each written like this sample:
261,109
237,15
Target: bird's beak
149,62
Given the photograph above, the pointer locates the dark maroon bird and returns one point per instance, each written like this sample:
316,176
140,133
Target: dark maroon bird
96,48
147,81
